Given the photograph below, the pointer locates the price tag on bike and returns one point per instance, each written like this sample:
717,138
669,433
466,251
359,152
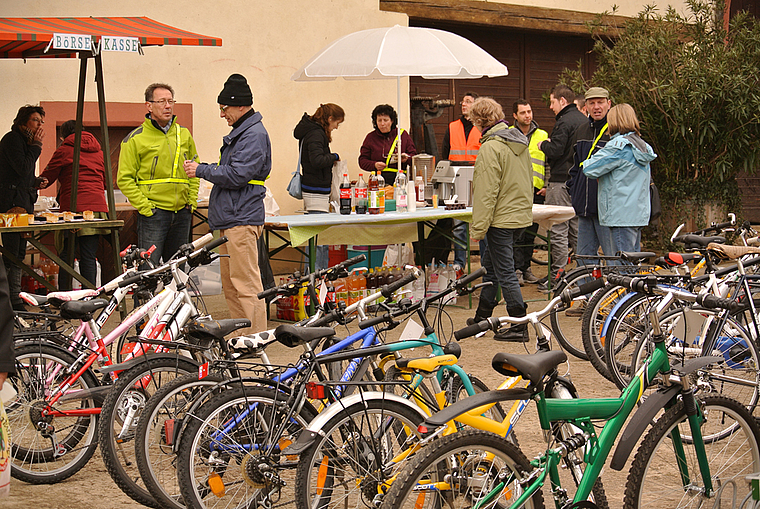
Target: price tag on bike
412,331
203,371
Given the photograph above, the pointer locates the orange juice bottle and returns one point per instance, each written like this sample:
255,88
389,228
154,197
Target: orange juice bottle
341,290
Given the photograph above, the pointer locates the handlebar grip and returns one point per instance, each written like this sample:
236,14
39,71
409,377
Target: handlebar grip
130,281
369,322
353,261
586,288
327,319
712,302
636,284
199,243
473,329
388,290
268,292
126,250
216,243
469,278
147,254
618,280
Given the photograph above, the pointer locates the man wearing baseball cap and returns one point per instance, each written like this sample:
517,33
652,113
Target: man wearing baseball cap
588,139
236,204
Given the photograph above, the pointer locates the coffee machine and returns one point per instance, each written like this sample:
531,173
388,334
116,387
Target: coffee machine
453,178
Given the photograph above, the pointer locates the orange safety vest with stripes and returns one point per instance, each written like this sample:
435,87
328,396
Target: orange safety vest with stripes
463,149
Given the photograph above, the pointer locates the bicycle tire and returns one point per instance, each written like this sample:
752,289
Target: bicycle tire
130,392
572,279
470,461
654,479
737,377
32,455
625,329
351,457
194,466
153,448
597,310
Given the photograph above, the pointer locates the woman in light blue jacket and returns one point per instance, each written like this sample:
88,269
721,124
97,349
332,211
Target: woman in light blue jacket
622,168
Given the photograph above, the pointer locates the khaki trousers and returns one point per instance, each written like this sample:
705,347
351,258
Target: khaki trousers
241,279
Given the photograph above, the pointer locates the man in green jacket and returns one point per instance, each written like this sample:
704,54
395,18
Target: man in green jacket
152,177
502,209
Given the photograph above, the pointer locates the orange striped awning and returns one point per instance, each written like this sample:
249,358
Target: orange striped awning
28,37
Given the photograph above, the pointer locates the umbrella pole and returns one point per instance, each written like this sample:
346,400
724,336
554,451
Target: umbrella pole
398,129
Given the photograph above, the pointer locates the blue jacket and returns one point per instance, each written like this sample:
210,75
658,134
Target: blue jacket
246,155
622,168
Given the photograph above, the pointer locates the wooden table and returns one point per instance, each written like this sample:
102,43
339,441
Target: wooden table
34,233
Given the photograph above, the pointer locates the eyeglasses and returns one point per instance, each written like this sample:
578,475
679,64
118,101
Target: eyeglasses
223,108
38,120
164,102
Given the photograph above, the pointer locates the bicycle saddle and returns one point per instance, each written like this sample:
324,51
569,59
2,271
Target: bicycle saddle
292,336
251,342
218,328
78,310
672,259
531,367
636,257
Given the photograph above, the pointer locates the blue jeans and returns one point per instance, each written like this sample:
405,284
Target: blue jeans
166,230
626,238
592,236
498,261
86,247
460,252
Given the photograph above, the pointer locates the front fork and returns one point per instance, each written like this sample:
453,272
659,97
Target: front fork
695,417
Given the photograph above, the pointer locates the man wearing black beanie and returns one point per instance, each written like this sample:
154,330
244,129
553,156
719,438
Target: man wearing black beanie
236,204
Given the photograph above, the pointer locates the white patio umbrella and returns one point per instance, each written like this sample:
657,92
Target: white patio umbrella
399,51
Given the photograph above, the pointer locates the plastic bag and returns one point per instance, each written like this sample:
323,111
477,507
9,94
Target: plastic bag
338,169
399,258
5,453
294,186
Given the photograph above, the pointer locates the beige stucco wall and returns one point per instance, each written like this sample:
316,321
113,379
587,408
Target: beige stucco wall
264,40
624,7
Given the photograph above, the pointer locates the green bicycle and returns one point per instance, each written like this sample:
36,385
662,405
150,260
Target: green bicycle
696,447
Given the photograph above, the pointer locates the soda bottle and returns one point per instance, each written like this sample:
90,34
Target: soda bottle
341,290
381,191
419,188
345,195
373,195
361,196
402,203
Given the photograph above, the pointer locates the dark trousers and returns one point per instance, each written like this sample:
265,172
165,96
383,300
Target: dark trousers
16,244
85,249
166,230
498,260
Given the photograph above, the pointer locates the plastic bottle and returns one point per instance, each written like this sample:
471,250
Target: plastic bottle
402,202
356,285
345,195
381,191
418,288
419,186
341,290
373,195
360,195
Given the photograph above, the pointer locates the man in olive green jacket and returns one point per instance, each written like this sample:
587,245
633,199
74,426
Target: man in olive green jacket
502,209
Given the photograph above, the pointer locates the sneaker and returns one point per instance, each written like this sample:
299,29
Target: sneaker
529,277
542,287
517,334
520,280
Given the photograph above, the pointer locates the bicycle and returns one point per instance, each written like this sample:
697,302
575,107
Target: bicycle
351,453
58,395
702,443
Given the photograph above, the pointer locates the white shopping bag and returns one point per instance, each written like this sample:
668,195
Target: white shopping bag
5,452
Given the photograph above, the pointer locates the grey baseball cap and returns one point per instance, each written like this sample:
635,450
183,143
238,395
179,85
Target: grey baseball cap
596,92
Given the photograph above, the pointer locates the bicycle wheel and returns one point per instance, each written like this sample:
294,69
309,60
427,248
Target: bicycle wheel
155,434
592,324
624,330
736,376
655,479
356,455
230,453
121,413
570,339
40,370
461,470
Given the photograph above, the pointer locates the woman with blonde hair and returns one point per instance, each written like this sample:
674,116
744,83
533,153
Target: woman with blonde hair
622,168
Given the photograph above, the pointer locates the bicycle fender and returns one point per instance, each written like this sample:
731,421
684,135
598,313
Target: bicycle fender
314,429
38,342
640,422
137,360
472,402
611,314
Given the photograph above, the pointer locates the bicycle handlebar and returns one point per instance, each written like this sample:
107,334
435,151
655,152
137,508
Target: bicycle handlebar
713,301
388,290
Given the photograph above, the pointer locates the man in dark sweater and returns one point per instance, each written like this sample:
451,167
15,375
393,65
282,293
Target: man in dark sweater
559,158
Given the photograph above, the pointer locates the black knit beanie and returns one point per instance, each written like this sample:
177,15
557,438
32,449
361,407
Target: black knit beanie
236,92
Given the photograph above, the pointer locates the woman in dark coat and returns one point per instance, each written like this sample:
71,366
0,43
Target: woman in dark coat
314,134
19,150
380,145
